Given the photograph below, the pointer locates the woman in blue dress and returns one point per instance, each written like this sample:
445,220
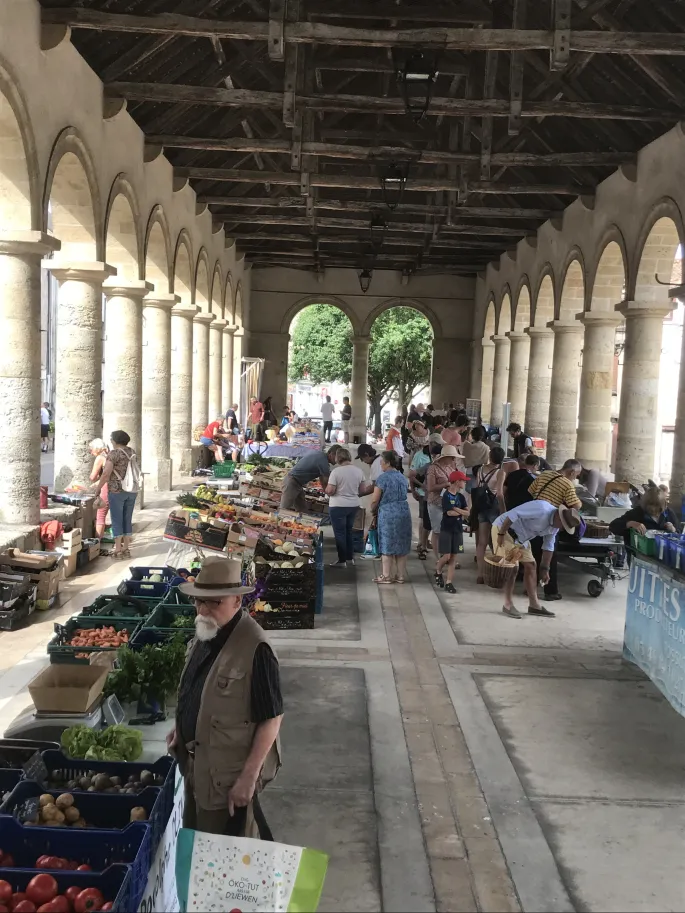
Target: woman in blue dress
389,502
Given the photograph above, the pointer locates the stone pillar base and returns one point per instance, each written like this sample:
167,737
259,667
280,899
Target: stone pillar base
159,476
188,459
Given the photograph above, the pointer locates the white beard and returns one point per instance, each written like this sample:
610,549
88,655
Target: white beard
205,628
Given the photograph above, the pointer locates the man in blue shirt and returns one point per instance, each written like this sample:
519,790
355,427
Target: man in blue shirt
316,464
514,530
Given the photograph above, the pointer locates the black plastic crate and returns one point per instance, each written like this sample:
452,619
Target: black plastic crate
284,621
20,611
119,608
205,535
60,651
164,615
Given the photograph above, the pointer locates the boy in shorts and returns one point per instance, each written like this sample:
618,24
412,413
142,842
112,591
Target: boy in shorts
451,542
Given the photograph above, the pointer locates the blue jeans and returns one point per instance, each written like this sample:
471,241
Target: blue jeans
342,521
121,504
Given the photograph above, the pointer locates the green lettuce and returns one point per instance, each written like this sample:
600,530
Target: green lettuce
77,740
116,743
125,741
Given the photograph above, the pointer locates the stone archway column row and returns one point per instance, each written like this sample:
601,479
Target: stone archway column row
563,399
182,386
216,345
475,380
518,375
593,448
539,381
450,371
227,397
200,413
123,367
637,426
156,459
238,346
20,281
500,379
78,412
486,381
360,386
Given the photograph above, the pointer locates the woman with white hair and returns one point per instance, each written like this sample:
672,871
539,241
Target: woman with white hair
100,450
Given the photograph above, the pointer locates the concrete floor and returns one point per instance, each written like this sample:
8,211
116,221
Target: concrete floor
449,758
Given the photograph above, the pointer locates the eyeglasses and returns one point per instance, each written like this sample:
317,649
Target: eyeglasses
210,603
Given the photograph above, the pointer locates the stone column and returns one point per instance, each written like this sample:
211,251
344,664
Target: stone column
156,460
227,367
201,324
78,412
360,386
238,340
216,354
637,423
563,401
451,371
518,375
500,378
475,380
677,481
487,374
182,386
123,367
20,294
539,381
593,448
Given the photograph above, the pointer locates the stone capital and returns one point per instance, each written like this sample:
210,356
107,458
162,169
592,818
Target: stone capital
160,301
94,273
600,319
219,324
185,310
499,339
515,335
203,318
539,332
487,342
126,288
27,243
230,329
361,340
561,326
630,309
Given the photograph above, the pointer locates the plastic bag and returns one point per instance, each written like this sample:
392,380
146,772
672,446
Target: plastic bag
618,499
217,873
371,549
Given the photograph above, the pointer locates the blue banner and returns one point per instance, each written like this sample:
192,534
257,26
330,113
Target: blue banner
654,636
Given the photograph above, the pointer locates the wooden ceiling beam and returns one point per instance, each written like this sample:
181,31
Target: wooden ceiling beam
479,212
363,225
445,39
379,65
368,104
466,11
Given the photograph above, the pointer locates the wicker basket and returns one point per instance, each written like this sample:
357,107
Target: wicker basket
497,571
597,530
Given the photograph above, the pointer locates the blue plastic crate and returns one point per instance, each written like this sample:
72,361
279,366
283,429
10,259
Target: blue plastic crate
8,779
137,586
96,848
114,883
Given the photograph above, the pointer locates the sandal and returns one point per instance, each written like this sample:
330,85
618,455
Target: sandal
423,554
400,580
383,579
117,556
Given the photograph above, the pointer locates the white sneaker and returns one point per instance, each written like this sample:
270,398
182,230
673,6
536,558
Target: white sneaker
338,564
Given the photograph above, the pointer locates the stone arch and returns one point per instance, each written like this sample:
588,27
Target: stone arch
217,293
19,187
607,281
490,319
238,305
71,200
522,306
572,297
183,275
414,303
300,305
504,315
228,299
158,251
123,243
656,250
543,299
202,289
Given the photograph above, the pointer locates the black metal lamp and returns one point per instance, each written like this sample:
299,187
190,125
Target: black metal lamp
417,80
393,177
365,276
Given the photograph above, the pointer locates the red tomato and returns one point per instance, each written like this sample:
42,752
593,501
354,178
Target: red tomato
46,908
83,868
60,904
41,889
107,906
4,908
89,899
24,906
43,862
17,897
72,893
6,892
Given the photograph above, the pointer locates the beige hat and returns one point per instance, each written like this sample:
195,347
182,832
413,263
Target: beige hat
449,450
570,519
218,577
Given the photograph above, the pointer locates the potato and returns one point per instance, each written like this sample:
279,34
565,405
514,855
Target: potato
48,811
46,799
64,801
57,817
72,814
79,823
138,814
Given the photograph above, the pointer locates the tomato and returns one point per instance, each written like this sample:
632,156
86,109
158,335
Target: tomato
83,868
43,862
72,893
41,889
107,906
89,899
60,904
4,908
6,891
24,906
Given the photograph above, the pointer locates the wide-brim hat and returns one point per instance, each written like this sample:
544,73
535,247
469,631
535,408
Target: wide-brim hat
570,519
218,578
449,450
436,438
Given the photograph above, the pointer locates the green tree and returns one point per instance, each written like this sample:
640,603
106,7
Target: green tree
321,347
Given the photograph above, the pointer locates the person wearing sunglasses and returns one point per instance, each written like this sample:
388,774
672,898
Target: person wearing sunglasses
230,707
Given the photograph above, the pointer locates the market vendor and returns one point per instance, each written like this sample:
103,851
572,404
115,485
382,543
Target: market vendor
651,513
230,708
314,465
213,437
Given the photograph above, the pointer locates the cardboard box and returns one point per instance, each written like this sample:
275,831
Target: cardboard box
72,540
39,561
68,688
69,566
44,569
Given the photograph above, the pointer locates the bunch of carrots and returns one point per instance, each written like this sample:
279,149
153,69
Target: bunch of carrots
106,636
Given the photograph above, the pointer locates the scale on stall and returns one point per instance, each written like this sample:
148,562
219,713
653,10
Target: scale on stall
36,724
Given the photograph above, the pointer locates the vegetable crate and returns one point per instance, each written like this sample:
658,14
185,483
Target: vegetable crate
113,883
20,611
145,636
138,586
176,598
164,616
284,621
60,651
644,545
119,608
225,470
98,849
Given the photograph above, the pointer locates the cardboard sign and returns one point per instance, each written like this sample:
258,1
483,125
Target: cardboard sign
160,893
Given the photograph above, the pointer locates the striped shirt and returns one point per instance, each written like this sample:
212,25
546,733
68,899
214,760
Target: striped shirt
552,486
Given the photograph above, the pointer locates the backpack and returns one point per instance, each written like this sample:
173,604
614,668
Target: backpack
131,480
482,497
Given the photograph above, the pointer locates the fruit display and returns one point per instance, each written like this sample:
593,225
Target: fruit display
42,895
205,493
103,782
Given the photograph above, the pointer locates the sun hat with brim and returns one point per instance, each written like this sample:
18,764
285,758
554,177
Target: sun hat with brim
449,450
570,519
218,578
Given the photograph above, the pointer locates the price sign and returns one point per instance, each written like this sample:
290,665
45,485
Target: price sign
160,893
35,768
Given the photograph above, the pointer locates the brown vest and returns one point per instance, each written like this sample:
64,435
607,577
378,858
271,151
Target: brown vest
224,731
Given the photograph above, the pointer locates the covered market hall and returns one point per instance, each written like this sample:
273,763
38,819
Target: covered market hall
180,180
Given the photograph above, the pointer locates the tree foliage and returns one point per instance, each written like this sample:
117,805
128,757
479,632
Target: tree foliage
399,357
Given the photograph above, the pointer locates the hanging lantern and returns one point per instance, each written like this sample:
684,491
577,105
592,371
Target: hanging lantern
417,80
377,233
393,177
365,276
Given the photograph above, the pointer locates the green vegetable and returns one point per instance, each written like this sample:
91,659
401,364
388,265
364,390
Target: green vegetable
183,621
148,674
116,743
97,753
125,741
77,740
189,500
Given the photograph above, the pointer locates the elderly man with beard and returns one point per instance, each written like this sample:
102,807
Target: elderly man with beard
229,709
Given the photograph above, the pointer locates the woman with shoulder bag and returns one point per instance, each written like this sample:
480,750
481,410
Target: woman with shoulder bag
486,498
122,477
99,450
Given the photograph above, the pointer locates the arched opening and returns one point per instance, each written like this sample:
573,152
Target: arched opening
71,212
157,256
660,263
572,300
504,319
217,294
519,358
121,239
16,205
183,276
202,298
500,378
544,303
609,287
490,320
216,345
488,365
522,315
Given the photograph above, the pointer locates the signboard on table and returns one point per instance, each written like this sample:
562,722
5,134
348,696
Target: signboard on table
654,636
160,893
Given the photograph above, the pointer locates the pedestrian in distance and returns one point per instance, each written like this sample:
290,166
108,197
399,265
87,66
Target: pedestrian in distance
451,540
327,410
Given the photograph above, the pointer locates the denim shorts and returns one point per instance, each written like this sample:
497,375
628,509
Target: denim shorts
489,515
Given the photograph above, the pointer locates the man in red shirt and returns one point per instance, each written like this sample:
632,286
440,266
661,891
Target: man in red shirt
212,436
256,415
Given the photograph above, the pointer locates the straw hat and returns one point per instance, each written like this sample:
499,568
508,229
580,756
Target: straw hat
449,451
570,519
218,577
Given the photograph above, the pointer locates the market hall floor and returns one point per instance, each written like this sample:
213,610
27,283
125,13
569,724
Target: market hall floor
449,758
